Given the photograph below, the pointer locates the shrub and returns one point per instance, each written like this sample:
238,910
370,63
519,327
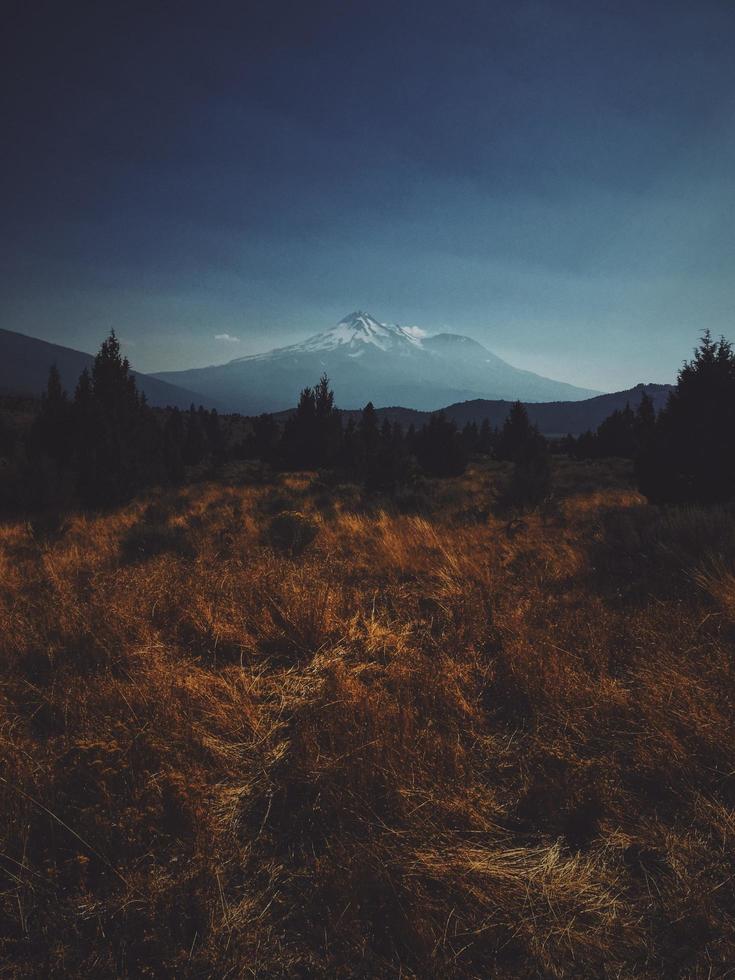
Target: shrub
278,503
146,540
291,533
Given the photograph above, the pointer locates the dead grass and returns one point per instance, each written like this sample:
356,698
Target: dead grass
430,746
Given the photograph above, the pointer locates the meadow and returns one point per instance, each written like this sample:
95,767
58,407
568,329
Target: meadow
384,738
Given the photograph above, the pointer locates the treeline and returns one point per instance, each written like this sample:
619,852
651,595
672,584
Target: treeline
625,433
104,444
686,453
382,457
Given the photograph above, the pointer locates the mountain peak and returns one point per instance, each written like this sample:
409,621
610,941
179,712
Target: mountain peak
356,333
356,316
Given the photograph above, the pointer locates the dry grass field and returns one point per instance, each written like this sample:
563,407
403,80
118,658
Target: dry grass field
438,743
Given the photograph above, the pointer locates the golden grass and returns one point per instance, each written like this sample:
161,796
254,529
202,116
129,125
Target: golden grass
431,746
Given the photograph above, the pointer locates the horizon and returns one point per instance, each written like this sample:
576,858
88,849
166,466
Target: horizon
410,329
553,181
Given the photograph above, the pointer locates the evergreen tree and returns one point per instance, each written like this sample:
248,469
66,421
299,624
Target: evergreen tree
517,431
84,428
263,442
173,446
439,448
531,481
328,424
470,438
51,431
299,433
352,454
215,437
644,425
195,438
368,430
386,464
112,419
488,438
616,435
690,457
312,436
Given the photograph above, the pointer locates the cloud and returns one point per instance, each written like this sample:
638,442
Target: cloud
227,338
416,332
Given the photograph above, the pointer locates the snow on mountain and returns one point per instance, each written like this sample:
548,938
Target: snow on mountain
367,360
353,332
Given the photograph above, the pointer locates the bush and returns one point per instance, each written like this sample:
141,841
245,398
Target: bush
278,503
146,540
291,533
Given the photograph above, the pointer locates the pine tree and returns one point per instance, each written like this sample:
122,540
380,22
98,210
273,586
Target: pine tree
352,454
173,446
51,432
114,444
616,435
312,436
263,442
517,431
215,437
690,457
439,448
470,438
531,479
487,438
195,438
386,465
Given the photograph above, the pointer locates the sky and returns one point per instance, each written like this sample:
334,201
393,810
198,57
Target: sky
554,179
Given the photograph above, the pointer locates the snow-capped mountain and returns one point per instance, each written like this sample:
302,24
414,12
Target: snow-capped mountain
371,361
355,332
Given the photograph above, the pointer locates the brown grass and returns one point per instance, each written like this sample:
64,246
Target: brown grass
430,746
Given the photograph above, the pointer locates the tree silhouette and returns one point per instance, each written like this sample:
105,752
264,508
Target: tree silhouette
439,448
312,436
530,482
173,446
616,435
263,442
690,457
51,432
517,431
115,443
195,438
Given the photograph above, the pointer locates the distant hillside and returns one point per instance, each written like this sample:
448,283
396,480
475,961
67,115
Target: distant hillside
25,363
559,418
552,418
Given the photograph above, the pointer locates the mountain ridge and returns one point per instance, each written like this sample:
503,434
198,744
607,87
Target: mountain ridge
367,360
25,363
552,418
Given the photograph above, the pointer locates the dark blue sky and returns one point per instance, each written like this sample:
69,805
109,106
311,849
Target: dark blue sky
555,179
